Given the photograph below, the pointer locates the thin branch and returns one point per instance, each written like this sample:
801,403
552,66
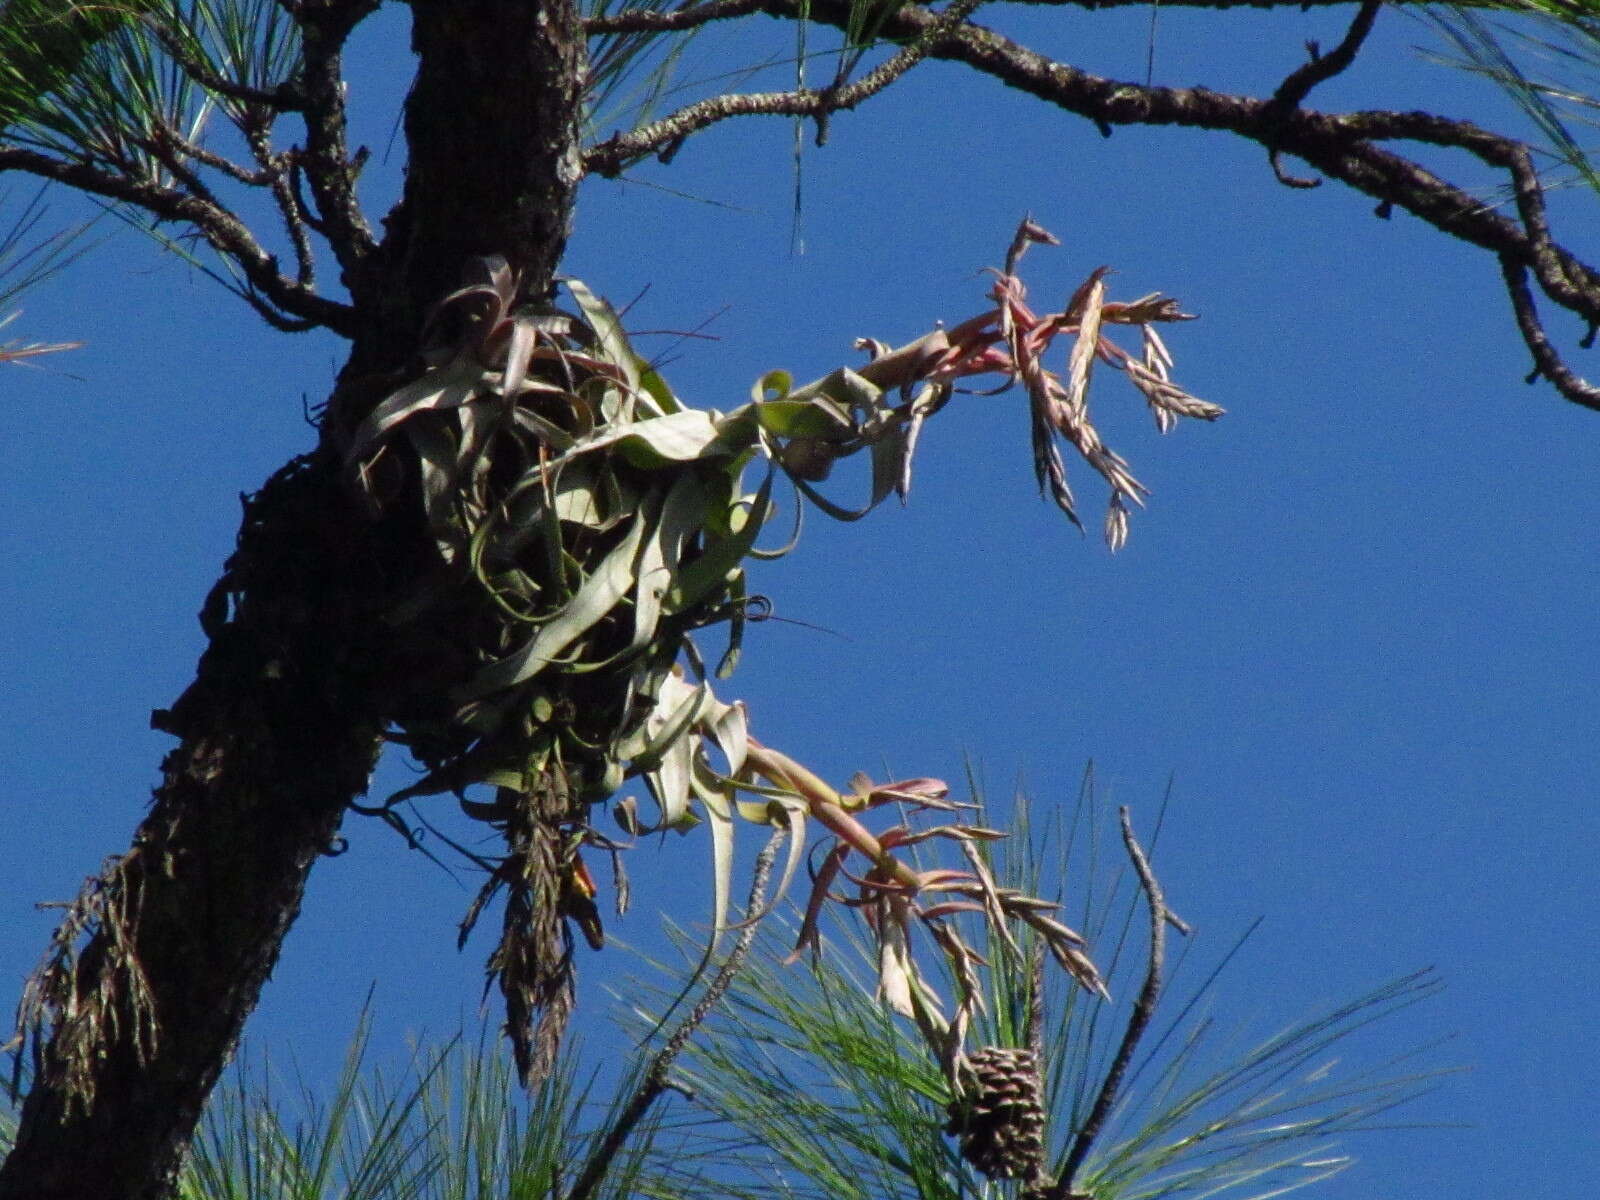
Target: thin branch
644,20
329,168
1323,67
1338,145
1546,361
655,1080
1318,69
296,185
1144,1009
172,150
221,229
287,96
663,137
647,20
165,139
277,169
1284,176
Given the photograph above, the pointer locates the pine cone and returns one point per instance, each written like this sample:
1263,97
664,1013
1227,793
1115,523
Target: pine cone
1000,1118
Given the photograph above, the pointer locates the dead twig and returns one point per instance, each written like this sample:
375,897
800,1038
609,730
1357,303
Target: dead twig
645,20
1320,67
656,1078
665,136
1144,1008
1339,146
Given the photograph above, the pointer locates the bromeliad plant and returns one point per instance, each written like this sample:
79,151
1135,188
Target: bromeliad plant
587,522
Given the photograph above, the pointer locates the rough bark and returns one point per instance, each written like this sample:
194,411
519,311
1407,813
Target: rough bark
158,965
493,158
278,730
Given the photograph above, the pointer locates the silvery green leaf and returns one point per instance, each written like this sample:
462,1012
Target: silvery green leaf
772,386
814,417
576,500
679,705
670,700
680,437
888,461
615,348
436,458
682,514
595,598
551,434
669,783
722,555
446,386
718,805
728,726
843,386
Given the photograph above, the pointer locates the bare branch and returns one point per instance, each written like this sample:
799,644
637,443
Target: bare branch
329,168
1546,361
272,293
1318,69
167,141
647,20
656,1080
277,169
1138,1021
663,137
285,97
1338,145
1286,177
173,151
1322,67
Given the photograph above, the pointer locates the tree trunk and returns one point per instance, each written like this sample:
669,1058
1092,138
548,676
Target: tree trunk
158,965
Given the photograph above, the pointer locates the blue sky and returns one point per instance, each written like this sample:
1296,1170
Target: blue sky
1356,625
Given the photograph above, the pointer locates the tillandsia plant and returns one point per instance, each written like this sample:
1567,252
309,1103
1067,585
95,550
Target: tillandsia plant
587,522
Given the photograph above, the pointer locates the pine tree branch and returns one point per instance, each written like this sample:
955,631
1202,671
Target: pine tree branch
1322,67
287,96
329,168
1144,1009
1546,361
286,302
663,137
1339,145
690,16
648,20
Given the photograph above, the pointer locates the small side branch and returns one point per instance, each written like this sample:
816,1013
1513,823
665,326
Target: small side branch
1323,67
269,290
285,97
663,137
656,1078
1340,146
276,168
329,169
1144,1009
691,16
1317,69
1546,361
